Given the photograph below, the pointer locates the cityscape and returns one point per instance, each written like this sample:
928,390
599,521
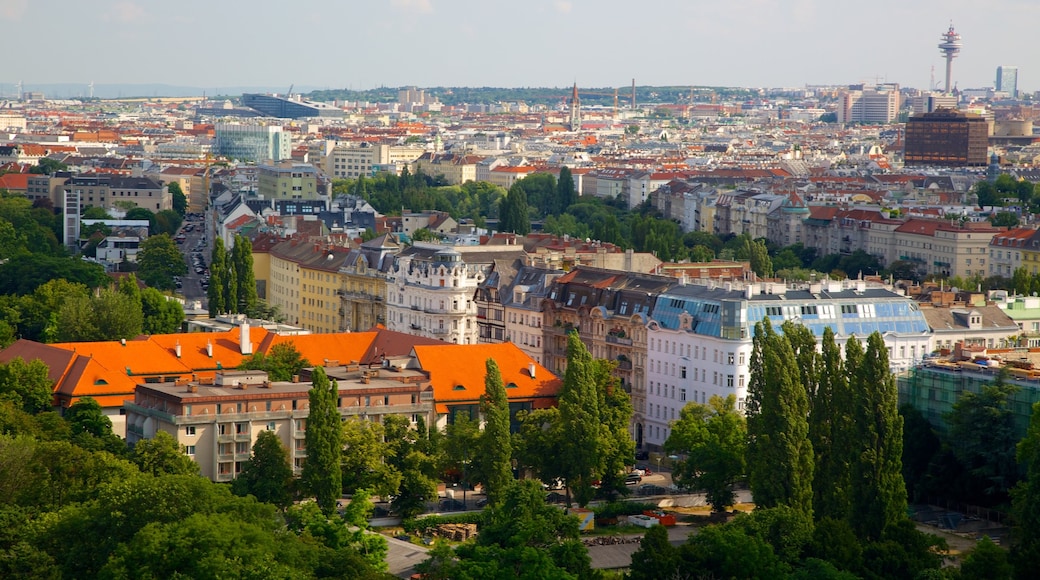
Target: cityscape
425,330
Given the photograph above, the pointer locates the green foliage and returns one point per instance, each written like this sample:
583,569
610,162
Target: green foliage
1004,219
987,561
579,451
324,441
168,222
424,235
180,201
835,541
23,274
281,363
85,416
26,384
729,552
921,445
48,166
363,459
982,425
159,261
161,315
830,415
241,263
107,316
496,451
267,475
219,274
163,455
878,493
409,455
514,214
655,558
1025,505
712,438
780,455
523,537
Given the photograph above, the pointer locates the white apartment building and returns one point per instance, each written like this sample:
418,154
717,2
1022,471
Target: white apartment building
699,338
430,290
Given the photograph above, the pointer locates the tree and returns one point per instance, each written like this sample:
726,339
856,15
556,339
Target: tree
416,466
161,315
168,222
324,436
1004,219
48,166
566,193
579,451
877,493
655,558
983,427
107,316
26,384
615,415
163,455
159,261
86,416
424,235
180,201
267,475
496,452
987,561
830,414
281,364
921,446
245,281
730,552
219,273
514,216
712,438
1025,505
524,537
780,455
364,459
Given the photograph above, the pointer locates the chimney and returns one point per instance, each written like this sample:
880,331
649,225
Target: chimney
177,349
209,349
530,370
243,339
122,341
193,388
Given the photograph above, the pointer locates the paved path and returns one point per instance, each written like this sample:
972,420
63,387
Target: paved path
401,557
620,555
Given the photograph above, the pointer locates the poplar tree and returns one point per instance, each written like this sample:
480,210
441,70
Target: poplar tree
324,441
566,196
580,451
218,276
877,493
780,456
495,440
245,280
829,418
1025,501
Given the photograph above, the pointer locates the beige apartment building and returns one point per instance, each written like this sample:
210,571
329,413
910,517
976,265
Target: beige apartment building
288,181
352,161
217,420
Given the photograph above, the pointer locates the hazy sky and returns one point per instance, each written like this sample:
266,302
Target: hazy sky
598,43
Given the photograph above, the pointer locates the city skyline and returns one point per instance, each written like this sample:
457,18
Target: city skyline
426,43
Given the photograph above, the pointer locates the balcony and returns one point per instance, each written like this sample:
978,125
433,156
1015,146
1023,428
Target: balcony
614,339
624,365
415,326
436,310
439,331
416,308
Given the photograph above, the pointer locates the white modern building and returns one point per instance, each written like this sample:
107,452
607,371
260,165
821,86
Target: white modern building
699,338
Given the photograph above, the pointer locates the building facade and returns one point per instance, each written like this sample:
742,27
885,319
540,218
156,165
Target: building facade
946,138
288,181
252,142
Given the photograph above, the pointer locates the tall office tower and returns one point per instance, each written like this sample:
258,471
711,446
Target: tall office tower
1007,80
949,47
946,138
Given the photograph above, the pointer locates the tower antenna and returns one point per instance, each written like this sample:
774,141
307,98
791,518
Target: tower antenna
949,46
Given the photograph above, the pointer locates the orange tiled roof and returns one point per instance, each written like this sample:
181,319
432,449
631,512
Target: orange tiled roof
452,366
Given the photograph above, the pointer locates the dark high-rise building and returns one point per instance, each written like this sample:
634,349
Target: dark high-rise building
946,137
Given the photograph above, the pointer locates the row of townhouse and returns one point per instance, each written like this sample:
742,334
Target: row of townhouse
183,384
935,246
1013,249
676,341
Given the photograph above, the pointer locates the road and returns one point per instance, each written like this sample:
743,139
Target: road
191,288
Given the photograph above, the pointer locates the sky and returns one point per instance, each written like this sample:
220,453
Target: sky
361,44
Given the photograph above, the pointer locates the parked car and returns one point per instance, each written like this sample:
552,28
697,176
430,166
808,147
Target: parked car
651,489
642,455
482,502
638,471
452,505
633,479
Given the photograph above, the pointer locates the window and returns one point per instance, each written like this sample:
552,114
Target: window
682,372
271,426
189,450
682,394
241,447
189,430
729,381
729,358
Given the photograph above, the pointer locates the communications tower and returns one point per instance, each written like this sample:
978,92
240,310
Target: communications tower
949,46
